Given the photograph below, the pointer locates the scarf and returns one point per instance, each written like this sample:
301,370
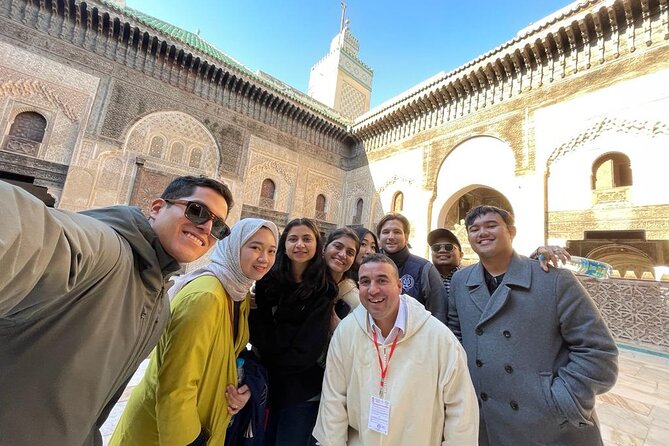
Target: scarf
225,260
400,257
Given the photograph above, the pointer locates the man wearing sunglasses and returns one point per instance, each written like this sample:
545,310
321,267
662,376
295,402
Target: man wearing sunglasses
83,302
446,254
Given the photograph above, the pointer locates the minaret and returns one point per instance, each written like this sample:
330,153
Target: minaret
340,79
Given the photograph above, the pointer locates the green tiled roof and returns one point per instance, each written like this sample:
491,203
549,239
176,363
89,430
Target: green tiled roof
186,37
196,42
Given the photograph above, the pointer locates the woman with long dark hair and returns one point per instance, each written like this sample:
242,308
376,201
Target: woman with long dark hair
289,328
341,250
369,244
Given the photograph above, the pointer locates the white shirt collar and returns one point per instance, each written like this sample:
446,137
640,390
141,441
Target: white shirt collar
398,329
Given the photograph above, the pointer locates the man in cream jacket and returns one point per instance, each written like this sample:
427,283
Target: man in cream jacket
395,375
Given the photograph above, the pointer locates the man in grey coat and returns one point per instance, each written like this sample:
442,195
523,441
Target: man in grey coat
82,302
537,348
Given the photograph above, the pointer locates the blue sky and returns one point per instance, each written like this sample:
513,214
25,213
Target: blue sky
403,42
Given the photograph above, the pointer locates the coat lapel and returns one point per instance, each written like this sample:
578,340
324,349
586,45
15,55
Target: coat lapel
478,292
519,274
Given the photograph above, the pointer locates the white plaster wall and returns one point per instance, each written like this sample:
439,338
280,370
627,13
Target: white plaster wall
643,98
487,161
323,79
635,106
404,172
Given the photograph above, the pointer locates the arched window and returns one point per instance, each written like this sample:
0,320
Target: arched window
177,152
398,202
195,158
610,171
156,147
267,193
26,134
357,217
321,203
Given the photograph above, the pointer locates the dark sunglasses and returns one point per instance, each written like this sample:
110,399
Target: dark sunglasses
198,213
439,246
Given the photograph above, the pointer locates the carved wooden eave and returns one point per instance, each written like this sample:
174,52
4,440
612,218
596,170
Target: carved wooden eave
584,34
104,29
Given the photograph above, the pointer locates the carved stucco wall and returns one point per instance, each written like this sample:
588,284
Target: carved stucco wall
635,127
404,173
104,173
299,179
61,94
570,126
359,185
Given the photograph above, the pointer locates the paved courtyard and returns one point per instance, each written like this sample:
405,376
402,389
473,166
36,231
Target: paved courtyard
634,413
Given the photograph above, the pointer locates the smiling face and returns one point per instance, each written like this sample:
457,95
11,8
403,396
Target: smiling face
258,254
490,237
367,246
300,244
446,260
339,256
392,237
183,240
380,289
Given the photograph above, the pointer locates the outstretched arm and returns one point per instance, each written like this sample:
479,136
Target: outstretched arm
35,240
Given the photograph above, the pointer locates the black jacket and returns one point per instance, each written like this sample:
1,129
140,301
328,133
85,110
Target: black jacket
290,335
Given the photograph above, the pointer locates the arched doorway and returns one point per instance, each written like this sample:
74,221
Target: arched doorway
481,195
452,215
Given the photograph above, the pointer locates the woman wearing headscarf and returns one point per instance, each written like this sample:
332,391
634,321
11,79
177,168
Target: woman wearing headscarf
189,391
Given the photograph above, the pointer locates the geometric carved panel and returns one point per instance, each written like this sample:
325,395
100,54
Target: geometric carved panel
352,101
636,311
157,132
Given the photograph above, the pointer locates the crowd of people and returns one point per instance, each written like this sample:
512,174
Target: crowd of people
355,340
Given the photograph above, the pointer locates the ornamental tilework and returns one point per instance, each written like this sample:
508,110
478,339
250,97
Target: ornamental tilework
352,101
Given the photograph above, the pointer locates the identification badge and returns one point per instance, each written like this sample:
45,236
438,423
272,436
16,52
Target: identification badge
379,415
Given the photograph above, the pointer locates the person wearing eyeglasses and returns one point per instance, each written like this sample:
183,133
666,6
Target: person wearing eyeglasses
190,389
446,254
83,302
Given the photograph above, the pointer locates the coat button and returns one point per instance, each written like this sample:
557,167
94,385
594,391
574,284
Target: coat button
506,333
514,405
484,396
479,331
479,363
508,368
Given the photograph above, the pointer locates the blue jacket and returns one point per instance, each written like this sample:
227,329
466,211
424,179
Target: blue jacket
421,280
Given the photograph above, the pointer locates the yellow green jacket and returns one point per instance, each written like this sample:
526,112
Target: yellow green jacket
183,389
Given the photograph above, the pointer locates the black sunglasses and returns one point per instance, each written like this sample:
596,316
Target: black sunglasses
439,246
198,213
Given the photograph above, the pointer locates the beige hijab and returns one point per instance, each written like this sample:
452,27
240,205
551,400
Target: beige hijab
226,260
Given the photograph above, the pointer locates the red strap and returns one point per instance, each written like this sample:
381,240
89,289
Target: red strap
384,370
